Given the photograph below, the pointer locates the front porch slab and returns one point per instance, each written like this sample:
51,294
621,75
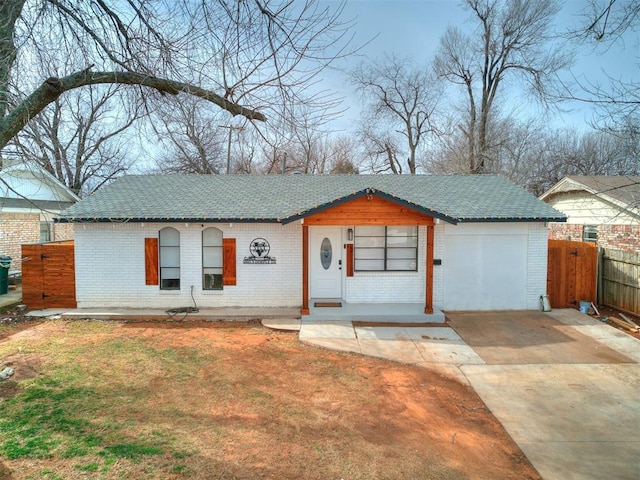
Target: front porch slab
373,312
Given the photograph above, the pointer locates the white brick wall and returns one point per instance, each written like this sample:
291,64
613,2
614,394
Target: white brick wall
390,287
438,270
537,255
110,267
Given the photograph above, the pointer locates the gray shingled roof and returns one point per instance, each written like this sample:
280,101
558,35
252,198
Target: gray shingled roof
624,188
285,198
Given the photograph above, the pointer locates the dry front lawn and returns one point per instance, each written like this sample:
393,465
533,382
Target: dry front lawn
104,400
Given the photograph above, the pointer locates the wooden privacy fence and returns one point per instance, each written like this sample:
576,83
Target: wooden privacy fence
48,275
619,280
571,273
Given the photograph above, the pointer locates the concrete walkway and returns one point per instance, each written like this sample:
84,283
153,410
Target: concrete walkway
565,386
438,347
12,297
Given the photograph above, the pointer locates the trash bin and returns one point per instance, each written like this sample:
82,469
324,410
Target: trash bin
5,262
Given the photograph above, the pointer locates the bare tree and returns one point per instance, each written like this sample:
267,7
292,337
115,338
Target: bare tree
259,53
305,152
189,137
308,152
344,159
512,40
399,102
514,149
81,139
536,157
274,151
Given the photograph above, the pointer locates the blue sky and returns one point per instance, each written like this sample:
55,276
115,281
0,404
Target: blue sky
412,28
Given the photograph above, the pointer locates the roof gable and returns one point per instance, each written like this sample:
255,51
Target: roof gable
368,193
285,198
29,180
371,209
622,191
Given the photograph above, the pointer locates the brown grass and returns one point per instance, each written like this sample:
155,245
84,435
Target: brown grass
220,401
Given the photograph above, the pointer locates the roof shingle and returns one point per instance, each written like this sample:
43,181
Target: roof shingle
284,198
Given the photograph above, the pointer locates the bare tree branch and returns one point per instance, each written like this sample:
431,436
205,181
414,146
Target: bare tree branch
253,58
53,87
400,99
604,26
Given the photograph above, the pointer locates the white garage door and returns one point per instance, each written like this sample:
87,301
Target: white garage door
485,270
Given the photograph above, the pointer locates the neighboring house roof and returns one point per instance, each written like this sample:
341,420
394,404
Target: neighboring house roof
285,198
28,180
622,191
22,203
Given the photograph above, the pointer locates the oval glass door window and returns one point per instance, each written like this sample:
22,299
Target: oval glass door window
325,253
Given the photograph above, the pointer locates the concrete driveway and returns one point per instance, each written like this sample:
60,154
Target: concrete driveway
565,386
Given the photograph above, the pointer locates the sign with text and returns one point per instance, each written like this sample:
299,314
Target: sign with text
259,249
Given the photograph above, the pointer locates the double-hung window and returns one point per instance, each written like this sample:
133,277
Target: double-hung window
46,231
590,233
169,259
211,259
380,248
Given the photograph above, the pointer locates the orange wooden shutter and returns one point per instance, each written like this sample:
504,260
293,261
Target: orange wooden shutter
349,259
229,261
151,261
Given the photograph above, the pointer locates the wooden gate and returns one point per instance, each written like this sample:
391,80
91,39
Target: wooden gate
48,275
571,273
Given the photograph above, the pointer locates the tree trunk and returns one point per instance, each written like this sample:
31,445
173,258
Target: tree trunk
10,11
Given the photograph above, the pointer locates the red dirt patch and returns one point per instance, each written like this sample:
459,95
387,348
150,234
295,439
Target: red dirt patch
268,406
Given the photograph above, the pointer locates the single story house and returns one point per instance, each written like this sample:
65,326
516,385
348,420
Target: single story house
30,198
600,209
447,242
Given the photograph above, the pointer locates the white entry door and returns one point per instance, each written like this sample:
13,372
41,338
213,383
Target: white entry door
325,262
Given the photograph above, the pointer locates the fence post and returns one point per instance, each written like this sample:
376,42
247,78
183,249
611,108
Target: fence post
599,282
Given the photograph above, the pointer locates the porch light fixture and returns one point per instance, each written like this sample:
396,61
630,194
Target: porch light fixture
350,234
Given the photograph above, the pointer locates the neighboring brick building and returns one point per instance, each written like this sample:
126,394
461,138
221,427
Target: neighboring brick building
600,209
30,198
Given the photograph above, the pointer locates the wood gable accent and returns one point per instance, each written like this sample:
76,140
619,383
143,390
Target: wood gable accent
373,210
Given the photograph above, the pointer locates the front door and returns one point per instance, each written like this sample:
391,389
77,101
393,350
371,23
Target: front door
325,262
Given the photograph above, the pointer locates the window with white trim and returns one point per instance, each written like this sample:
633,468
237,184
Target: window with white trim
590,233
46,231
169,244
380,248
212,259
